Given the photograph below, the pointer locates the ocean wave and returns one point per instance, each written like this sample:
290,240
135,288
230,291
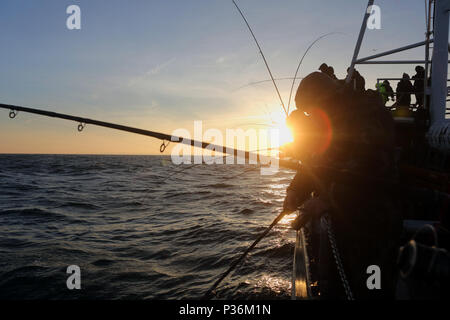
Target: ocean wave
134,232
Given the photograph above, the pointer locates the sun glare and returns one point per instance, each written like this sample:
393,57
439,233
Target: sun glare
278,121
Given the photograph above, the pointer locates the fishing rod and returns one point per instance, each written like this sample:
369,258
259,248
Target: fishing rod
247,155
264,58
301,61
210,291
343,176
304,216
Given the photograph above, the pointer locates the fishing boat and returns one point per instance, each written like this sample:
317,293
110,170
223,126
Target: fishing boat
423,149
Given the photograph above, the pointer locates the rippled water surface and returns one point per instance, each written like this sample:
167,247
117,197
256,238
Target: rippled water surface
139,229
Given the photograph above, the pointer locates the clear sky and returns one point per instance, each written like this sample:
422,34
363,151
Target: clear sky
160,65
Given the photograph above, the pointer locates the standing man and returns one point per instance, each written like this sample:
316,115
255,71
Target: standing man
385,91
389,90
358,82
404,91
419,82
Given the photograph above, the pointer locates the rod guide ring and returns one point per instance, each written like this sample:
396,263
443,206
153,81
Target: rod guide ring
12,114
163,146
81,127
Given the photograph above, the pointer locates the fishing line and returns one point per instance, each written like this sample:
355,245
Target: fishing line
262,54
255,124
262,81
224,157
300,63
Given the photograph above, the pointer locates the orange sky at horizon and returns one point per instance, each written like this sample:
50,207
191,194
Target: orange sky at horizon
34,134
147,73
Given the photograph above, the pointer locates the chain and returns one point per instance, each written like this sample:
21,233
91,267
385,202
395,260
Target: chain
337,258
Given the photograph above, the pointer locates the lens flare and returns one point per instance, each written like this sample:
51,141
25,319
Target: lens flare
278,121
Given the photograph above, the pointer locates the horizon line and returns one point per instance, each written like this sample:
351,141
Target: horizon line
83,154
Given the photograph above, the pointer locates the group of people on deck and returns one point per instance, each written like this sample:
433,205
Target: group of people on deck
359,83
344,191
405,87
417,87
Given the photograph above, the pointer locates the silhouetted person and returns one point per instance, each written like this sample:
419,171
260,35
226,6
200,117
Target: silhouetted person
323,68
385,91
338,130
381,88
357,80
389,90
404,90
330,72
419,81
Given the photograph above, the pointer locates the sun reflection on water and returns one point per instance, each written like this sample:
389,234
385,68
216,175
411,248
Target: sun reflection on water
287,219
275,284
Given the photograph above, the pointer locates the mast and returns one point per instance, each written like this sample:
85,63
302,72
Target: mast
427,53
439,67
359,42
